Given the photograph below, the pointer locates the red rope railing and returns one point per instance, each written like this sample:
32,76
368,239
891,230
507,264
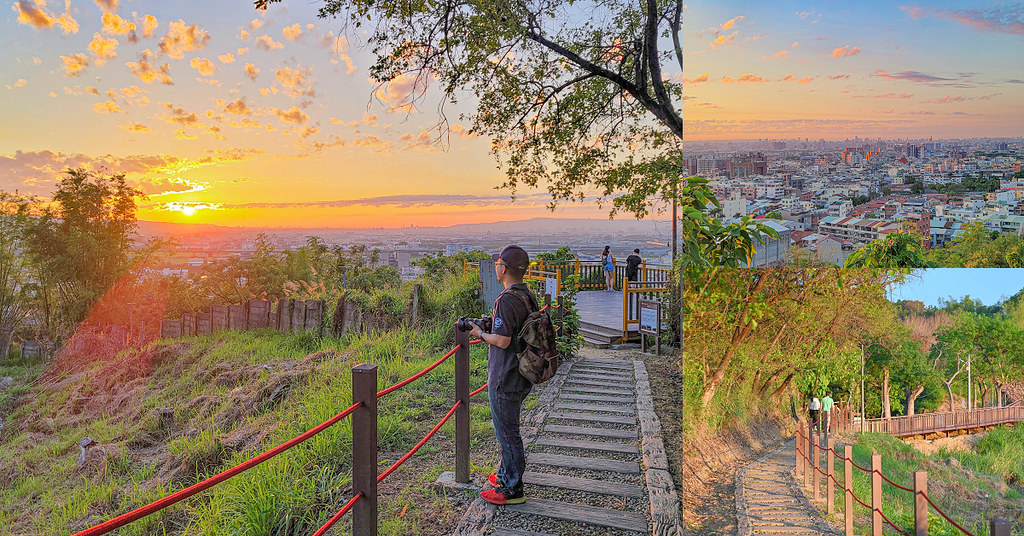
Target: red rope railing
882,475
341,513
174,498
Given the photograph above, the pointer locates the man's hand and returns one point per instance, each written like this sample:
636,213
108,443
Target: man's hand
476,331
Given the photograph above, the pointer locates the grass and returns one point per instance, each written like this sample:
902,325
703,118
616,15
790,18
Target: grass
212,383
982,484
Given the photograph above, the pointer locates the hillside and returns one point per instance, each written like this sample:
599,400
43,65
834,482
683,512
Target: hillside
174,412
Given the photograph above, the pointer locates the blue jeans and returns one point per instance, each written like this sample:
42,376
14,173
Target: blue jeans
505,410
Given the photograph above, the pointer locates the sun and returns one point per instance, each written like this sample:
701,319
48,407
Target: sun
188,210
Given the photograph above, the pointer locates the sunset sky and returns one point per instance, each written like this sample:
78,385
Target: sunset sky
226,115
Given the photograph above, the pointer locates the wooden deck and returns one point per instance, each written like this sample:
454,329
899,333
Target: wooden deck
601,308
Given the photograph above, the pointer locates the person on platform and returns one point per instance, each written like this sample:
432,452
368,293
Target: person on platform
506,387
608,264
633,263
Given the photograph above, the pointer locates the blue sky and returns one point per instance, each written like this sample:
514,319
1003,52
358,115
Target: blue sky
989,285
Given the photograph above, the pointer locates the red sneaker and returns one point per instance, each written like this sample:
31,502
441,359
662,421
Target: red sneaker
503,496
493,479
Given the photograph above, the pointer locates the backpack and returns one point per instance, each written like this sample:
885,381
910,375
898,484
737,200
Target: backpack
538,357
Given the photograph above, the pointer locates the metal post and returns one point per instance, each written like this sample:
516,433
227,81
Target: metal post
808,442
999,527
863,416
364,449
848,484
876,494
920,504
462,414
816,477
830,487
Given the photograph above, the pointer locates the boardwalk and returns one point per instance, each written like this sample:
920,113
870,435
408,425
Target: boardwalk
595,462
768,501
600,316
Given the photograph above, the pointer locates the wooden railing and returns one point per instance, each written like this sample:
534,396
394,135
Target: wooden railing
927,423
592,272
632,292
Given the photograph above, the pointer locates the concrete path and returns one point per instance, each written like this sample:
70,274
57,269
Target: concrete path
768,501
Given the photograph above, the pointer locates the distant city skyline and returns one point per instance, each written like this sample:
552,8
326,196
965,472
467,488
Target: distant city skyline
988,285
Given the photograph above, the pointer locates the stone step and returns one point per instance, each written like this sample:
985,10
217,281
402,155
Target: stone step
596,407
605,446
601,377
592,383
583,514
607,363
612,419
596,398
583,484
597,390
577,462
596,432
503,531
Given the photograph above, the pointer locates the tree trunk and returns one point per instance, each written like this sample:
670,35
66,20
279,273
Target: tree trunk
739,335
764,386
949,389
912,395
5,344
782,388
886,412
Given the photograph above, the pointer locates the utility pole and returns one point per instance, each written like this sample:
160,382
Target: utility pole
861,387
131,321
969,399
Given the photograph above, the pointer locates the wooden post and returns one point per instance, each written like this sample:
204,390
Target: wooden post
876,494
999,527
848,484
830,486
796,454
364,449
462,414
816,477
561,317
808,442
920,504
416,303
547,301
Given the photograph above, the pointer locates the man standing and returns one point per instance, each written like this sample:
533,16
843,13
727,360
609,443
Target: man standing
826,412
633,265
506,387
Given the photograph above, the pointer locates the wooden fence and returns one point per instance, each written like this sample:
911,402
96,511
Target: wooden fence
286,315
932,423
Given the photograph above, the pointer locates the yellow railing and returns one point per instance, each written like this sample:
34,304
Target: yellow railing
632,291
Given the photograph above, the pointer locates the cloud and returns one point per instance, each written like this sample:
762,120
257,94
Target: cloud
780,53
398,90
242,51
911,76
181,38
1002,18
149,25
74,64
700,79
18,83
720,37
237,107
796,44
179,115
255,24
750,78
203,65
318,147
32,13
948,99
148,72
422,141
267,43
226,58
336,121
839,76
103,48
405,201
132,126
805,80
291,115
292,32
845,51
115,25
251,71
37,171
732,22
161,186
462,131
298,81
887,95
373,142
723,40
107,5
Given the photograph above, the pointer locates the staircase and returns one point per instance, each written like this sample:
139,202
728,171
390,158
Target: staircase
599,336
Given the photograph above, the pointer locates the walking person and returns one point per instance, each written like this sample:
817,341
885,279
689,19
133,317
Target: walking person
826,412
506,387
815,407
608,262
633,263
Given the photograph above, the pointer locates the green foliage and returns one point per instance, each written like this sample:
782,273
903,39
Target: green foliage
569,339
82,241
439,265
774,215
561,254
979,248
17,290
893,251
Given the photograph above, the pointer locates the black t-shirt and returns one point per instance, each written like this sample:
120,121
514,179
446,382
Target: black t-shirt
632,263
502,363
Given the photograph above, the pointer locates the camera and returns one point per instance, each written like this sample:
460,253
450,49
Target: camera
466,324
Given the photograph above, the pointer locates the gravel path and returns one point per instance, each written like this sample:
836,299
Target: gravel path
591,471
769,502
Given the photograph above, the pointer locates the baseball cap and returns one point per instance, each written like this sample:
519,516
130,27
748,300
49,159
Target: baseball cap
515,257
